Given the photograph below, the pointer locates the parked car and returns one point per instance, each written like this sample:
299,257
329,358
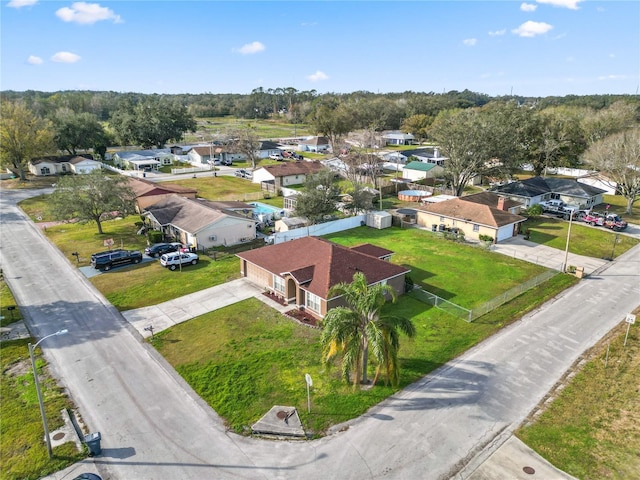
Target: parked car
115,258
297,156
276,156
242,173
174,260
107,252
226,162
158,249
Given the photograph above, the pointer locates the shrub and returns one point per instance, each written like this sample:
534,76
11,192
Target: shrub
155,236
534,210
485,238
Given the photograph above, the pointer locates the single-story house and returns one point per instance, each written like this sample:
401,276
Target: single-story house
303,271
426,155
200,223
539,189
416,171
267,148
314,144
54,165
148,193
202,154
601,181
143,159
486,214
286,173
398,138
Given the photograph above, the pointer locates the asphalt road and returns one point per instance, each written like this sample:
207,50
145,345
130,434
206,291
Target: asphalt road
153,426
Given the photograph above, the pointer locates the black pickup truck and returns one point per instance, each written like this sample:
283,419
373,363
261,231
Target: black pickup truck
105,261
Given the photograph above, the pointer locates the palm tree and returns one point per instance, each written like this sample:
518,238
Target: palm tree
351,329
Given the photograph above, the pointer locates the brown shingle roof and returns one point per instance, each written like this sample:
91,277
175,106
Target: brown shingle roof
460,209
293,168
321,263
144,188
372,250
490,199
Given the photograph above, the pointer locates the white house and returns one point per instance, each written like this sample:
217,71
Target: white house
314,144
143,159
54,165
286,173
416,171
398,138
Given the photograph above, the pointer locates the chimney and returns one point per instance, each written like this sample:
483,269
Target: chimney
501,202
436,153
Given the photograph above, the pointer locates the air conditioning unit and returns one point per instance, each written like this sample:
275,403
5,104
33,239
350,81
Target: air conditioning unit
213,238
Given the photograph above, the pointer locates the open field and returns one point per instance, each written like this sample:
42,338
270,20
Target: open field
272,129
592,429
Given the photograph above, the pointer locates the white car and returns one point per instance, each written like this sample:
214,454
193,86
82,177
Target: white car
176,259
276,156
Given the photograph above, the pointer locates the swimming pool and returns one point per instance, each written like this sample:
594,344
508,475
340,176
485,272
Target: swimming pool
266,211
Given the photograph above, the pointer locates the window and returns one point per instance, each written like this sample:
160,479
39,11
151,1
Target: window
442,219
278,284
45,171
476,228
313,302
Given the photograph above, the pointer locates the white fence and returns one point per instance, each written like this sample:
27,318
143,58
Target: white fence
320,229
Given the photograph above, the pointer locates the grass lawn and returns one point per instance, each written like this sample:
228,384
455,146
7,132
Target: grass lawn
23,453
592,429
271,128
594,242
247,358
451,270
7,300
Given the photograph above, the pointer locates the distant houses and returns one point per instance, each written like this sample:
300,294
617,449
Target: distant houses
55,165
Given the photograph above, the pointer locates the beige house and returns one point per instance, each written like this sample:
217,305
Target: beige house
201,223
55,165
481,214
301,272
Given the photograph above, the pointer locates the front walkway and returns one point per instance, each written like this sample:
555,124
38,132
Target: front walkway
178,310
518,247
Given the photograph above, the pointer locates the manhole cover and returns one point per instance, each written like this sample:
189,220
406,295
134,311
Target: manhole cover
58,436
281,414
529,470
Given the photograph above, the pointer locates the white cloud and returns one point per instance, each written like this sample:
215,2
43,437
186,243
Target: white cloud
571,4
612,77
65,57
21,3
87,13
33,60
318,76
528,7
531,29
470,42
497,33
251,48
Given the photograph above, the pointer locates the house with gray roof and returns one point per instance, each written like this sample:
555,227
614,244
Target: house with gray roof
314,144
201,223
539,189
143,159
398,138
426,155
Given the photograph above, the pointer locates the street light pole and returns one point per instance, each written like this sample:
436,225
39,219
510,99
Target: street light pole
566,250
39,392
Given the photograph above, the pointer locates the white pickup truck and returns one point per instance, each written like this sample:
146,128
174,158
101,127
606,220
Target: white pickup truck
557,207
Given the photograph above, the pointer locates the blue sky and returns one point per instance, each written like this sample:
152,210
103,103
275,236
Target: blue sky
529,48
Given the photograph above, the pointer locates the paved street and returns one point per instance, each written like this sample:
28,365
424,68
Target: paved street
153,426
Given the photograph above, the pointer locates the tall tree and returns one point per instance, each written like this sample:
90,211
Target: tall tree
351,330
92,197
245,141
318,198
152,122
332,120
77,131
23,136
418,125
618,157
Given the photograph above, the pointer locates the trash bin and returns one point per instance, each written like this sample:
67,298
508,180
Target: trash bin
93,443
144,174
434,227
441,227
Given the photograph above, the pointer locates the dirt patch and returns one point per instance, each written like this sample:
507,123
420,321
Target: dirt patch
31,182
18,369
303,317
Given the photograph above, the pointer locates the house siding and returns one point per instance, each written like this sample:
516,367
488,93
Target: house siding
227,231
427,219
